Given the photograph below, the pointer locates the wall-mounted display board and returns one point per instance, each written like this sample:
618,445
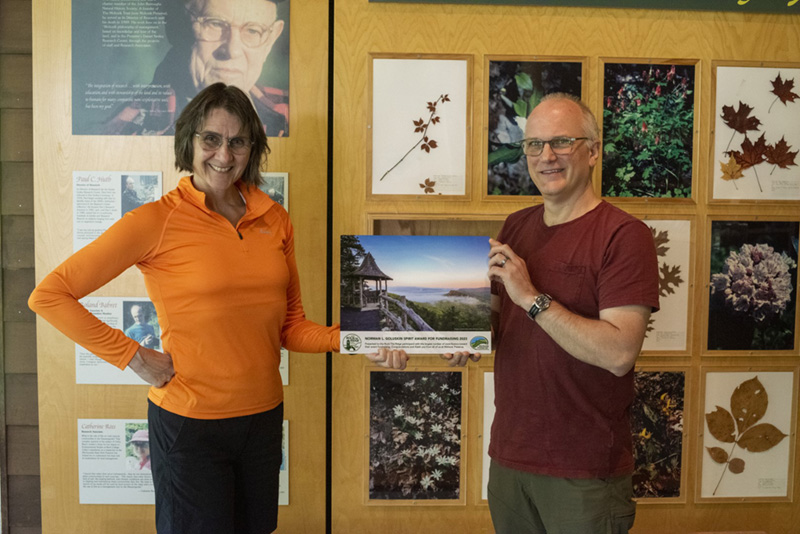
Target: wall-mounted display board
519,52
139,33
742,6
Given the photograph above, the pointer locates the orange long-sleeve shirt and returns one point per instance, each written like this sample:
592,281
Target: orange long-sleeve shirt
227,299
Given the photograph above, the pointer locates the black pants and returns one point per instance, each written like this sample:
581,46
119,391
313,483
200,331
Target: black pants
215,476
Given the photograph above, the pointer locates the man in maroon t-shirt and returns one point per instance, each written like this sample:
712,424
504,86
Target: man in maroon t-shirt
574,281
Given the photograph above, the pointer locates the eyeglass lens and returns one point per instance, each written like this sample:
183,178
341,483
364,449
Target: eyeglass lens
213,29
213,141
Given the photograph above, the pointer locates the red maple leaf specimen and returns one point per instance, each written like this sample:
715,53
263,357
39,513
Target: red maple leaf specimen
740,120
779,155
427,186
751,155
783,90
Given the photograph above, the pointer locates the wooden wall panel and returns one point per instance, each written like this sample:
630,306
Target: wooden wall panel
303,155
362,28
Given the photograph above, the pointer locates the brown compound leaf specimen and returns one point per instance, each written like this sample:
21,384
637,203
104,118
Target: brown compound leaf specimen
761,438
721,425
736,466
780,155
427,186
783,90
749,403
717,454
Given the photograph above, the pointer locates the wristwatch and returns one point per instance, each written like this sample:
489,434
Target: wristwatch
540,303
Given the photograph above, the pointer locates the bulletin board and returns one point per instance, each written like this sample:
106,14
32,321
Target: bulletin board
677,50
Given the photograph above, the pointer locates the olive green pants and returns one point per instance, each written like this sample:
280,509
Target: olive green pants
524,503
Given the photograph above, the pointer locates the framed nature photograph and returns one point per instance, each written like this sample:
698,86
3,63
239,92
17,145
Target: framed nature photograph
756,132
667,329
648,129
276,185
748,439
419,122
422,294
414,438
515,86
657,426
753,286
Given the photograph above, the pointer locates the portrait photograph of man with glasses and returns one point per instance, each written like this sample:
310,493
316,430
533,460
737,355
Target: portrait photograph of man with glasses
137,63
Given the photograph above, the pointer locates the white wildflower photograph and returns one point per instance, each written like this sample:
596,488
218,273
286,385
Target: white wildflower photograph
415,435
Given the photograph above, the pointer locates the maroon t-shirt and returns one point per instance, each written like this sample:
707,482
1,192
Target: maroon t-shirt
556,415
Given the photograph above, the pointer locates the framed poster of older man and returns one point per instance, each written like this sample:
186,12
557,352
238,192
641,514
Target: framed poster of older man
136,63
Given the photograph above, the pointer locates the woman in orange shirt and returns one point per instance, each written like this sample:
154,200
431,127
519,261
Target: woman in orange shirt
218,261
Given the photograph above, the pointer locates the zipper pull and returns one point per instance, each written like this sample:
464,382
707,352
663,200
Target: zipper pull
240,235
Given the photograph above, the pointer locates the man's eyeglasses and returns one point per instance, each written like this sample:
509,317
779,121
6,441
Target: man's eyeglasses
214,29
213,141
559,145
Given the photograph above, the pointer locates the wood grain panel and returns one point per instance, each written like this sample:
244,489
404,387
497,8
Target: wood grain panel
17,182
23,450
303,155
15,81
15,26
19,347
16,135
17,241
362,28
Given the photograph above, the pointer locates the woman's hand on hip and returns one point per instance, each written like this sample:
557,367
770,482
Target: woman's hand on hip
152,366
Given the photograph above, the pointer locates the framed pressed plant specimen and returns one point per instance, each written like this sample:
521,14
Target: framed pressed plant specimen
667,330
415,432
756,132
748,436
648,129
420,118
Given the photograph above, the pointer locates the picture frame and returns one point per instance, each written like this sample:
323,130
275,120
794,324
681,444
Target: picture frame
670,329
754,410
659,428
513,86
276,186
753,124
415,431
649,121
414,97
740,321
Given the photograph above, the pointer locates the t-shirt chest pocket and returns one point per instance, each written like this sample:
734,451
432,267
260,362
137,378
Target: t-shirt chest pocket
562,281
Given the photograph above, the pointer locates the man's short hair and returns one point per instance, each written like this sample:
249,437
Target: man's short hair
234,101
590,126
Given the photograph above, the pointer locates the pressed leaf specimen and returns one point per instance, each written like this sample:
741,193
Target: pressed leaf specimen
749,402
421,126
